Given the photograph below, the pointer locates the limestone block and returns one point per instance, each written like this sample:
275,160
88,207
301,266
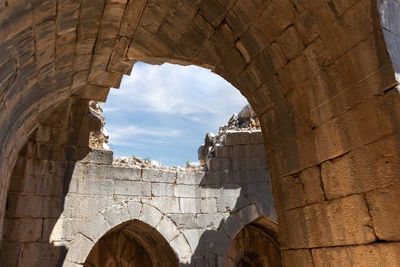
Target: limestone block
133,188
277,57
181,247
168,228
344,221
210,221
35,206
213,11
122,173
190,205
77,206
79,80
221,244
242,13
366,255
99,156
216,178
199,30
190,177
313,187
255,150
385,212
363,169
36,167
254,163
69,228
208,205
164,204
94,92
257,189
239,177
227,203
238,164
94,171
259,175
95,187
210,192
22,230
186,191
239,151
134,209
248,214
251,78
13,252
40,254
117,215
96,228
290,43
162,190
232,226
150,215
26,184
131,17
238,138
219,164
79,249
223,151
294,74
160,176
301,257
184,221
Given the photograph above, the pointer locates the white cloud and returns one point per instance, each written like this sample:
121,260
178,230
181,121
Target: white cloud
164,111
176,90
131,131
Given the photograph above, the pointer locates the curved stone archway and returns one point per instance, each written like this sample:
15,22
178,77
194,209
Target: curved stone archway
255,245
133,243
143,223
319,75
216,244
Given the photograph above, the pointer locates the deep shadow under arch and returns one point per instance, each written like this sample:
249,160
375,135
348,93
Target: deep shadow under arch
133,243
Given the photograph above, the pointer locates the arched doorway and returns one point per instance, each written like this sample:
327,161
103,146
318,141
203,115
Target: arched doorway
256,245
133,243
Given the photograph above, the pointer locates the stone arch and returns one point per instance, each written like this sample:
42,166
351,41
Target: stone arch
134,243
238,220
329,98
119,215
256,244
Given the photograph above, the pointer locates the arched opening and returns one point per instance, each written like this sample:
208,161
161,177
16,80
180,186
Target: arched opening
163,112
318,73
255,245
133,243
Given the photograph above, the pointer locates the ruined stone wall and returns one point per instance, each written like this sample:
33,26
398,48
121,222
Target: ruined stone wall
189,207
320,75
40,182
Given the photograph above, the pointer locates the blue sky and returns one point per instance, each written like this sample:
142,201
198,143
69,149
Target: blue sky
163,112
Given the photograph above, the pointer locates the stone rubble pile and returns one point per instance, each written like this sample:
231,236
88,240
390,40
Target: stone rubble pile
152,164
246,120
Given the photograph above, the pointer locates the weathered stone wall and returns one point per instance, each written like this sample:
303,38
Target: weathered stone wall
40,182
320,75
190,208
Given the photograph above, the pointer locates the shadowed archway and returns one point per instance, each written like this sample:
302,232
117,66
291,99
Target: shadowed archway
133,243
320,75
